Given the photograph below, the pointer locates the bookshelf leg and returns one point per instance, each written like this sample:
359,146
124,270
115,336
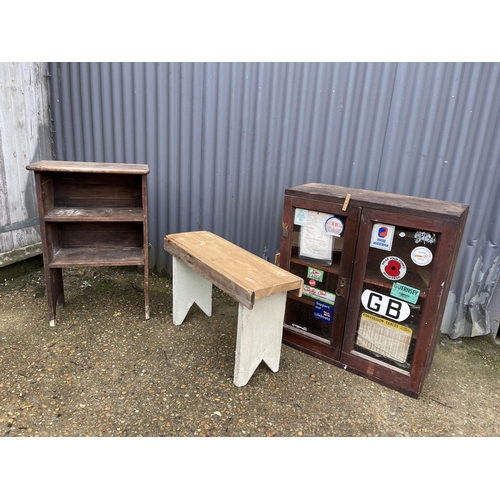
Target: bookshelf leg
55,292
146,291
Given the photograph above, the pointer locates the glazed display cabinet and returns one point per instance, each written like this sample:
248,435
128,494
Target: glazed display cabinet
377,268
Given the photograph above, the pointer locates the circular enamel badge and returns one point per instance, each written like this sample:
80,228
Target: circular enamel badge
421,256
393,268
334,226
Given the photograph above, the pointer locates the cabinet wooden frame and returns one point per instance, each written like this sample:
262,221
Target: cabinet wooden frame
359,266
91,215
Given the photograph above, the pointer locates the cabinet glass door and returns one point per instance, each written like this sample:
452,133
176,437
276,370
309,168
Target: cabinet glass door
396,261
321,243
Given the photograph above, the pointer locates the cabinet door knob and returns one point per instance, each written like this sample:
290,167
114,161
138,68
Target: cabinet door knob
340,288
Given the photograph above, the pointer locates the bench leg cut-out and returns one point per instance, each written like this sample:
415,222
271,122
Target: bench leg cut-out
189,288
259,337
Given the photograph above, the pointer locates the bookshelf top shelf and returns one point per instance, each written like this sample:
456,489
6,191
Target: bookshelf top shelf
89,167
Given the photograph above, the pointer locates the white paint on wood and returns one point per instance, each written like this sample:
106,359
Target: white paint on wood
189,288
259,337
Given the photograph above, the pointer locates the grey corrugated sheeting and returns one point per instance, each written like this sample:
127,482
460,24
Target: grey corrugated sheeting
443,141
224,140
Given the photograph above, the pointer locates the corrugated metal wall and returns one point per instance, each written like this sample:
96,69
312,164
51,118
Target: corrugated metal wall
224,140
24,137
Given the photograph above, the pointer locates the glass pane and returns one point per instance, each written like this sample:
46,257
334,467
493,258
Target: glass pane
318,239
399,266
313,312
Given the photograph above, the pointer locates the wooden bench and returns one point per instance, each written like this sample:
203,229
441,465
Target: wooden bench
202,259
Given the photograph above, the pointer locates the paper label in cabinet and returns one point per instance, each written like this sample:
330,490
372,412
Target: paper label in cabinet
384,337
315,242
405,292
323,311
334,226
393,268
425,237
422,256
315,274
382,236
318,294
300,217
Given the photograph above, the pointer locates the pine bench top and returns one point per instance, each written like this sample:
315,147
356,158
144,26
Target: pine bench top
237,272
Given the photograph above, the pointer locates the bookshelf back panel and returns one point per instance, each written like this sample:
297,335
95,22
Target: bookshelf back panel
97,190
99,234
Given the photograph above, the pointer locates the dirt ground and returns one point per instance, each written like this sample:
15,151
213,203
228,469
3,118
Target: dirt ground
104,370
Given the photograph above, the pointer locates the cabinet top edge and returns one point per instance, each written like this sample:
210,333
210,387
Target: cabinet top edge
377,199
89,167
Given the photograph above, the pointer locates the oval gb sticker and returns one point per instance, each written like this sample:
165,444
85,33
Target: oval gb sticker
393,268
421,256
385,306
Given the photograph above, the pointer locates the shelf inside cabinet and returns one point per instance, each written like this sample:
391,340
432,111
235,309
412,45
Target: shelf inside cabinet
322,340
303,298
413,280
333,268
366,354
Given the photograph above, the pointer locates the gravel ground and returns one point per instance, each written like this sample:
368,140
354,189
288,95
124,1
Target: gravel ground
105,371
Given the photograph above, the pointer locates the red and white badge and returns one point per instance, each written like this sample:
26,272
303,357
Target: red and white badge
393,268
334,226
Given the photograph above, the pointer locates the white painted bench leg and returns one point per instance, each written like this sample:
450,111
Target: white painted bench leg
260,331
189,287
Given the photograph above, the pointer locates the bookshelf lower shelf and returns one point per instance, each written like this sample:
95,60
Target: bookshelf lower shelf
96,257
100,214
